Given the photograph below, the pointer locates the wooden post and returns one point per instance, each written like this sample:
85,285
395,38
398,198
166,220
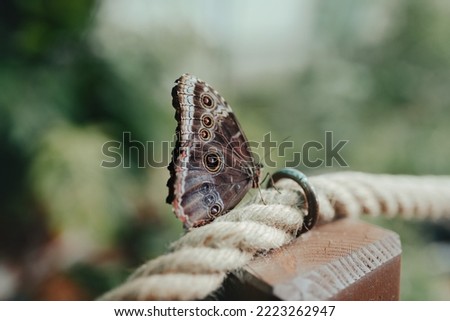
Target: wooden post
344,260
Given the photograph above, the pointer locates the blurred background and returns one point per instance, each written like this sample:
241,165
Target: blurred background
78,73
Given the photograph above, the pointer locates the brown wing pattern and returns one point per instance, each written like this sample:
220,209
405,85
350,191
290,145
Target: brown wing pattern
212,165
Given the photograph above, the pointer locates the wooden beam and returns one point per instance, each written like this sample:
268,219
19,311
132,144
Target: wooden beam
343,260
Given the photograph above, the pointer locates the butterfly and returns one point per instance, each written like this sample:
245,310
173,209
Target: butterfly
212,165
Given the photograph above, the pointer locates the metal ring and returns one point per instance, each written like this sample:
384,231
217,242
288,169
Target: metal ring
310,195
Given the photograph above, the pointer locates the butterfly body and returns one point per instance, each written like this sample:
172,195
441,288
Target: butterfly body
212,165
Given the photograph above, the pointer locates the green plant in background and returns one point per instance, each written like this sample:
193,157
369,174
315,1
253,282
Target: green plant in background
59,103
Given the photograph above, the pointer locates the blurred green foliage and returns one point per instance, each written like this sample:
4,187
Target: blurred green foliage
59,103
75,74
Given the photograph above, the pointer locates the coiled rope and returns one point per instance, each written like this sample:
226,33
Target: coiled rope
198,262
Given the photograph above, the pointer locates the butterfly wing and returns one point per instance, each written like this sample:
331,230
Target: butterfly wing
212,166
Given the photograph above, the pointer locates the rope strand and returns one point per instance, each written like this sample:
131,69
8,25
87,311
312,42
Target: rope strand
199,261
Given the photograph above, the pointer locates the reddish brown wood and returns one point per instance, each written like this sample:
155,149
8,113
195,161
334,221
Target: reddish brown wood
343,260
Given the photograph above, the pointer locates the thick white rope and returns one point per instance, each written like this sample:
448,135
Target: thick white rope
199,261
